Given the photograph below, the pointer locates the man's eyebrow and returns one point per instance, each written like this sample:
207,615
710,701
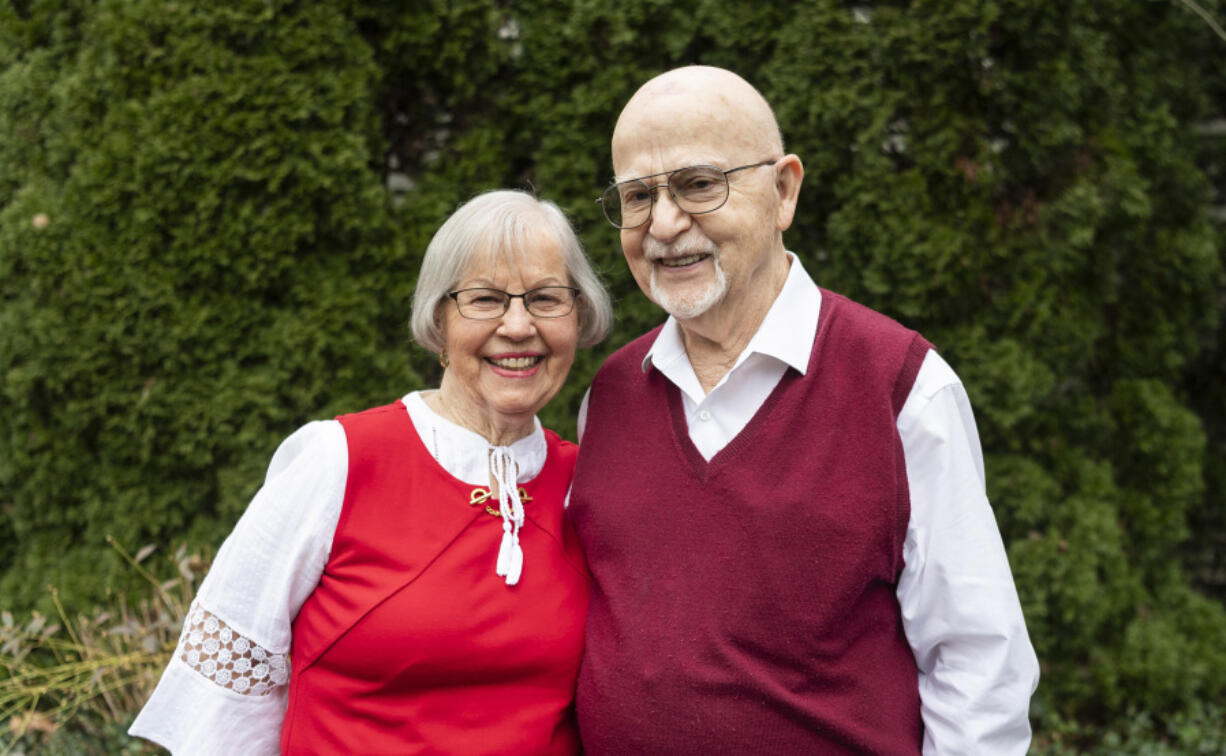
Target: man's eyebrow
714,162
621,179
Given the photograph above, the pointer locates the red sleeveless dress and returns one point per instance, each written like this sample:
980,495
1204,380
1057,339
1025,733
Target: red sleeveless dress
411,644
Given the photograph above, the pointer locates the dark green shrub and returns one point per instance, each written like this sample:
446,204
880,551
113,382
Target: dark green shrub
213,271
237,199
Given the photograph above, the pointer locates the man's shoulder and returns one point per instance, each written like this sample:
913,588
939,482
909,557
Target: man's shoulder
861,313
861,321
873,346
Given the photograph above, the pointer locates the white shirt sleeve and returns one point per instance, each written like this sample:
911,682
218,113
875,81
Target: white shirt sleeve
581,419
960,610
225,689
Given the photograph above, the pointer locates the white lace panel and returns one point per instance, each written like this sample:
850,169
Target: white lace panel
227,658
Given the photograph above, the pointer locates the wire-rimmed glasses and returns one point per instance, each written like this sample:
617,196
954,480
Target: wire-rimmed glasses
541,302
696,189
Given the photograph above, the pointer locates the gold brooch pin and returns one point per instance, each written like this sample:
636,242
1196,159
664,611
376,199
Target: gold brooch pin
482,495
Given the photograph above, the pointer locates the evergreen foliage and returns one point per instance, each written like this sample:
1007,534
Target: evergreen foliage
211,218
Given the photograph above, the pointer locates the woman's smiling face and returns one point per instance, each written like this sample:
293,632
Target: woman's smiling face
502,371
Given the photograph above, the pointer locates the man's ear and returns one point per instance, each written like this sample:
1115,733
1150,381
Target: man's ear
789,173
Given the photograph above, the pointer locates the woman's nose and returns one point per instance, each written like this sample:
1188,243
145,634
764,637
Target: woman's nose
517,322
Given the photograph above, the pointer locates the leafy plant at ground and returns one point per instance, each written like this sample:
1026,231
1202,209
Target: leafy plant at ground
73,685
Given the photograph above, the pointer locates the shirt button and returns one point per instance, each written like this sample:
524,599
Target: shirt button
704,416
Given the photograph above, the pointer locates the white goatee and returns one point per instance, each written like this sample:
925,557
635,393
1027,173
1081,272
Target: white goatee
679,305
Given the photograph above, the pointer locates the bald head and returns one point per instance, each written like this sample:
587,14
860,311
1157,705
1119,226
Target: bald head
695,105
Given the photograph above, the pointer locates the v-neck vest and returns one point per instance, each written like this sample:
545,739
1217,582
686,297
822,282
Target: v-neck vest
411,644
747,603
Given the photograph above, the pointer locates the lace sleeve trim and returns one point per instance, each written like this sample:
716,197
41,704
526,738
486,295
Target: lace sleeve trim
228,659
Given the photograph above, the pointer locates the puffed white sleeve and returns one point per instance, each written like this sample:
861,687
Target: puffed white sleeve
226,687
960,610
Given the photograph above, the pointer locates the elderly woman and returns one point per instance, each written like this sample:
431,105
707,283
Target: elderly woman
404,581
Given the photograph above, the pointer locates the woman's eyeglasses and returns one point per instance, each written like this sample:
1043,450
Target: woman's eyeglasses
542,302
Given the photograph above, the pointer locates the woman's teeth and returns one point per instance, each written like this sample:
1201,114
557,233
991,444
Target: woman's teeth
515,363
677,262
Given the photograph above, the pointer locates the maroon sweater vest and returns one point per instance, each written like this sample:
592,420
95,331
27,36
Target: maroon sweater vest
747,604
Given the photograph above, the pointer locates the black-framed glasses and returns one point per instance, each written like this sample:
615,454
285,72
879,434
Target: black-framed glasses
541,302
696,189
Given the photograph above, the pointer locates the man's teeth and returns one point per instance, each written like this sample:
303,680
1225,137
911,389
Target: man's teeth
677,262
515,363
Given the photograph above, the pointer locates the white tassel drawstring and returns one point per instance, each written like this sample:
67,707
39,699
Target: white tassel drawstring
505,473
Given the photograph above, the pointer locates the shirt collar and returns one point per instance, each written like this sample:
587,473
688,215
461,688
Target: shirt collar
787,332
463,453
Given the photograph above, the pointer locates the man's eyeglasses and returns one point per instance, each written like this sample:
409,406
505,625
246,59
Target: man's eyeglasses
487,304
696,189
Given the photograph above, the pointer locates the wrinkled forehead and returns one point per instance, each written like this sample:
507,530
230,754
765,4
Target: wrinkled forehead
665,131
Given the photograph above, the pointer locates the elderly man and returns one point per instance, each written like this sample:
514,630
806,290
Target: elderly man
780,492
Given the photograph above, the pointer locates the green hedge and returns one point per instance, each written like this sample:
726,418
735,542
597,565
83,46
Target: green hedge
211,217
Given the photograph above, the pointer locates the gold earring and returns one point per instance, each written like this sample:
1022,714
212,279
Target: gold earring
442,359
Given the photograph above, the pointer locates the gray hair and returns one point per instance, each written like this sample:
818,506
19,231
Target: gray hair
501,223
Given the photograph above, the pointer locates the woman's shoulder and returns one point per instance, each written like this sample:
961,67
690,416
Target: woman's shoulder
317,442
383,418
397,406
558,447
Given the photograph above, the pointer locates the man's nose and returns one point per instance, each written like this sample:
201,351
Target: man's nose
667,218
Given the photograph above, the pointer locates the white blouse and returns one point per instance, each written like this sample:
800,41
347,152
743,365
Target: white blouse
225,689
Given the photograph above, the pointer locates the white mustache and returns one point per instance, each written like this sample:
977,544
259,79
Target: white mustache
654,249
